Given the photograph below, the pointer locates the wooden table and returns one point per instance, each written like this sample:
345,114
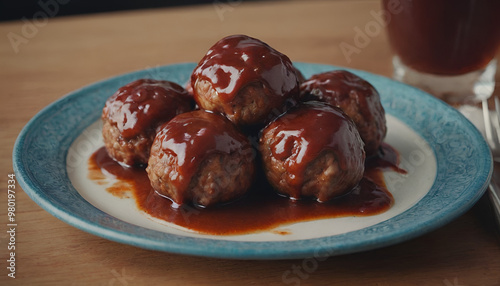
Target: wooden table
53,56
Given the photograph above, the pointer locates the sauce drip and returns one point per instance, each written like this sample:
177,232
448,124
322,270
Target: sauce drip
238,60
143,104
261,209
336,86
191,137
297,145
356,97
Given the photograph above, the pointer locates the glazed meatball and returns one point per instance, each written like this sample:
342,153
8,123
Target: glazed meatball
244,79
201,158
313,150
132,115
356,97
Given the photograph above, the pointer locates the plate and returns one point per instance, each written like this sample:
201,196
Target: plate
448,162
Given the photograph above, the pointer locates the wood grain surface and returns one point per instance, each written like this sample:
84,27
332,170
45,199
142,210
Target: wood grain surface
53,56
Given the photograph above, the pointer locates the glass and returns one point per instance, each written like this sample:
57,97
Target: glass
446,47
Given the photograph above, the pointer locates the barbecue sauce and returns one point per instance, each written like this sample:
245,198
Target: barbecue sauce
262,208
238,60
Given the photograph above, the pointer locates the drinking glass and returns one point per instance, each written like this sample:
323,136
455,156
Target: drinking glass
446,47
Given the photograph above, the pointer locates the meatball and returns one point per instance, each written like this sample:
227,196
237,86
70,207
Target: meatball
132,115
201,158
356,97
321,162
244,79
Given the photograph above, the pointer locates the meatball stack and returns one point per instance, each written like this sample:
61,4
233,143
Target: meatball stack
244,79
201,157
356,97
132,115
313,151
314,134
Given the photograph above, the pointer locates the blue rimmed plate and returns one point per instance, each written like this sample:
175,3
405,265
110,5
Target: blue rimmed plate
448,164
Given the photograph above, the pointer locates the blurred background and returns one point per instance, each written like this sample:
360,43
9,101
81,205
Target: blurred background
16,10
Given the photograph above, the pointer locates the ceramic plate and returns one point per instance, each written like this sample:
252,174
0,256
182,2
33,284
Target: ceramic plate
448,164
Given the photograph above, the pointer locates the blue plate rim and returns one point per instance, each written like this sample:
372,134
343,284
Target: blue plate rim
332,245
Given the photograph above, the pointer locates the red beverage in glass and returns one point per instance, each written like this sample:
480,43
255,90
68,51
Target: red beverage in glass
444,37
